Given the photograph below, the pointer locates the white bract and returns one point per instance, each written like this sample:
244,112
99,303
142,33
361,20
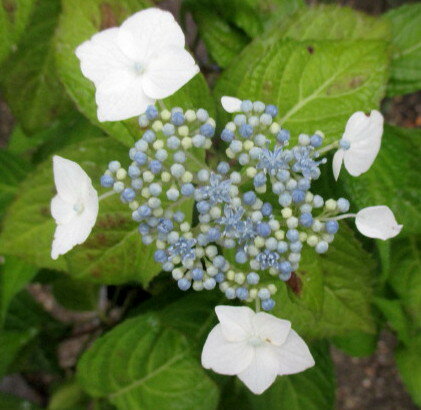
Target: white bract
360,143
74,208
231,104
256,347
137,63
377,222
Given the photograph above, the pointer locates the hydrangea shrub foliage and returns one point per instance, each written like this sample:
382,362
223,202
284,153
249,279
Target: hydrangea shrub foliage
220,221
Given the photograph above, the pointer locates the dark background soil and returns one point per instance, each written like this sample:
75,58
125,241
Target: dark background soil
362,383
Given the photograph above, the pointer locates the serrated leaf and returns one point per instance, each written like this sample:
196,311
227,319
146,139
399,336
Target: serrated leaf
13,169
14,275
331,22
346,270
14,17
406,46
141,364
393,178
11,343
313,389
405,275
94,16
305,79
408,360
28,80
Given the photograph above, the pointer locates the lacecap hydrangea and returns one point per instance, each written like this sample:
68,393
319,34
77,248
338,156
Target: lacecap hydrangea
255,211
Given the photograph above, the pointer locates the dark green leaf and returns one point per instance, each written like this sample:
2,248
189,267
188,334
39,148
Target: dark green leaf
28,79
406,46
357,344
14,275
141,364
16,403
76,295
310,77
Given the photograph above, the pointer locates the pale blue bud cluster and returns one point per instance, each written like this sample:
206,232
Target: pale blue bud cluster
255,213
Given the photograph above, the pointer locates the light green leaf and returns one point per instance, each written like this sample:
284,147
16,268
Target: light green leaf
28,80
94,16
393,178
346,271
14,275
405,275
325,22
13,169
406,46
357,344
11,343
305,79
141,364
14,17
408,360
10,402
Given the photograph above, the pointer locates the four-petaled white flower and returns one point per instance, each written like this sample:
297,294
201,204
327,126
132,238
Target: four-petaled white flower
360,143
137,63
377,222
74,208
254,346
231,104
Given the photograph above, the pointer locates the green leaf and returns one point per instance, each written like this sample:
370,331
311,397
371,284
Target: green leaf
14,17
357,344
141,364
313,389
76,295
408,360
406,46
346,273
14,275
11,343
68,396
326,22
10,402
13,169
393,178
28,80
306,78
405,275
91,17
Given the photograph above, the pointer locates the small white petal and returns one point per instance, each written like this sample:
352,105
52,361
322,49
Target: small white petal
101,56
122,97
271,328
337,162
262,371
225,357
294,355
231,104
168,72
236,322
70,179
377,222
145,33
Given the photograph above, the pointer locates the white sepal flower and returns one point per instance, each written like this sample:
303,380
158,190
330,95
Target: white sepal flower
231,104
377,222
137,63
360,143
74,208
256,347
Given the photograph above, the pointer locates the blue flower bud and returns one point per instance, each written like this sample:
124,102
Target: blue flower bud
268,304
223,167
344,144
141,158
219,277
240,119
316,141
304,184
259,179
249,198
144,211
298,196
143,229
177,118
332,227
209,283
160,256
155,166
149,136
263,229
292,235
179,157
107,181
242,293
227,135
285,276
187,189
266,209
165,225
272,110
246,106
246,130
168,129
306,219
230,293
133,171
213,234
343,205
285,199
197,273
283,136
296,247
151,112
219,261
203,207
184,284
128,194
282,247
241,257
263,293
207,130
285,267
179,217
322,247
202,115
253,278
114,166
